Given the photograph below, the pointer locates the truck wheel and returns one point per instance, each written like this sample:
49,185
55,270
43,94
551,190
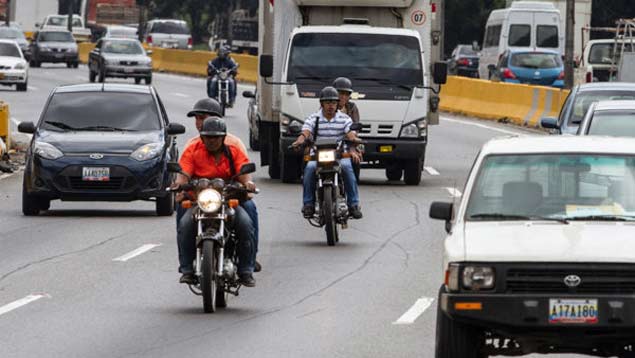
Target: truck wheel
455,339
274,164
253,141
412,172
289,171
394,171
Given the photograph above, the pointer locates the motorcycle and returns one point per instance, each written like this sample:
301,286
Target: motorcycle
223,76
215,266
331,206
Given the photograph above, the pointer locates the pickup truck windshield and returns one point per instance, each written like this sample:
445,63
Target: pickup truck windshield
562,186
388,59
62,21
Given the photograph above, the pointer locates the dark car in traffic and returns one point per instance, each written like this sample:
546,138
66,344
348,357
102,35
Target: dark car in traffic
54,46
100,142
580,99
253,118
121,58
463,61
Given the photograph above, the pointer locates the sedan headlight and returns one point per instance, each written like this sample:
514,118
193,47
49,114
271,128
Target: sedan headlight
209,200
20,66
326,156
45,49
72,50
478,278
415,130
147,152
47,151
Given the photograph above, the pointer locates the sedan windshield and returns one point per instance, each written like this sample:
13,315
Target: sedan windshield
56,37
123,47
101,111
10,50
613,123
536,60
10,33
554,186
584,99
170,27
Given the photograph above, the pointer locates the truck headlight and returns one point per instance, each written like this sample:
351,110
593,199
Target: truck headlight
478,278
209,200
147,152
47,151
415,130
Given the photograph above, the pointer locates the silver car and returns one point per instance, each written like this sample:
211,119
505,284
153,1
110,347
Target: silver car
168,34
14,33
122,58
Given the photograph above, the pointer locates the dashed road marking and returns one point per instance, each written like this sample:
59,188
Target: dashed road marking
19,303
415,311
431,171
137,252
183,95
454,192
32,88
469,123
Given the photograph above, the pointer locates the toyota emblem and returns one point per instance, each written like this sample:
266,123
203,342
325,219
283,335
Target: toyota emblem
96,156
572,280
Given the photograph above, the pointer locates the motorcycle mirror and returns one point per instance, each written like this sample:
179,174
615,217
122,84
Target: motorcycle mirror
295,128
247,169
174,167
356,127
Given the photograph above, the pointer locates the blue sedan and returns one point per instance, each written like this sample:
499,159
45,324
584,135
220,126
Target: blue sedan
544,68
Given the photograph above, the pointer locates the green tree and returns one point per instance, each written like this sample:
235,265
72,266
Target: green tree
465,21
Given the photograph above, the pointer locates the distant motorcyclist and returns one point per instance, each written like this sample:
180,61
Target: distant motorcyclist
344,88
222,60
329,122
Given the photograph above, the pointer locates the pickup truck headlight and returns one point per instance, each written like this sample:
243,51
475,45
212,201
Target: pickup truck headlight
415,130
47,151
478,278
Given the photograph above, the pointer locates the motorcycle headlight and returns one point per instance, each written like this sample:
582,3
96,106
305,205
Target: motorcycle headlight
326,156
146,152
478,278
20,66
47,151
223,75
209,200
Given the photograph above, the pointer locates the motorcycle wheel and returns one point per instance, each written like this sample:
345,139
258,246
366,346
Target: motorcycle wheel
329,217
208,277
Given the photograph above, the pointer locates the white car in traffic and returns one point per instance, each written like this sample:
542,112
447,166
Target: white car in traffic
609,118
14,70
540,252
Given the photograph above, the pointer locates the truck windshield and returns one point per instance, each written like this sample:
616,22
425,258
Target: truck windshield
387,59
554,186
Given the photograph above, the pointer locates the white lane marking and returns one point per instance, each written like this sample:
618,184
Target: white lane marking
137,252
4,176
19,303
431,171
415,311
480,125
181,95
454,192
32,88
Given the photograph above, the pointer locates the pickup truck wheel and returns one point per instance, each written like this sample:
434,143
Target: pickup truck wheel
412,172
393,172
455,339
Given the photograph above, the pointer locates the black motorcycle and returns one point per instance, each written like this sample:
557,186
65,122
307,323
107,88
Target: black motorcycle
223,76
216,260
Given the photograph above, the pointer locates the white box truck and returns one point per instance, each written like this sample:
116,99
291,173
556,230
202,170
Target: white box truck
386,47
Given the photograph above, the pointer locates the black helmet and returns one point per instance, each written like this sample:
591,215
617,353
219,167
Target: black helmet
223,51
329,94
206,106
343,84
214,127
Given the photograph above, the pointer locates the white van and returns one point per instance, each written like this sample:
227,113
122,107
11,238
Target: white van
525,25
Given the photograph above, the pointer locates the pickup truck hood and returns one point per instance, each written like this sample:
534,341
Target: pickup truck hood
99,142
550,241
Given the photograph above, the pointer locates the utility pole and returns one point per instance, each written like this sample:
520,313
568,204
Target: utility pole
568,52
70,15
7,14
142,5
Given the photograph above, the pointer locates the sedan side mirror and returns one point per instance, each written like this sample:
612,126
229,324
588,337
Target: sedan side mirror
549,123
249,94
247,169
26,127
175,128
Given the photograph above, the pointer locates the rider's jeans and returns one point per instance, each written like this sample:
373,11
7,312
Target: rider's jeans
186,236
350,184
212,88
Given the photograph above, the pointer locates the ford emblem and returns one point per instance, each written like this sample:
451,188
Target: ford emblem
572,280
96,156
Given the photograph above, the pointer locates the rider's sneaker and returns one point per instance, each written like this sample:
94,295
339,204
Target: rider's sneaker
355,211
308,211
188,278
246,279
257,266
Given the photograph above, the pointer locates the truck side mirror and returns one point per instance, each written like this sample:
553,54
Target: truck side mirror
440,74
475,46
266,66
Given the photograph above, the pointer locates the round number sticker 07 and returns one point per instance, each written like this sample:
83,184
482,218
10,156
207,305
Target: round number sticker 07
418,17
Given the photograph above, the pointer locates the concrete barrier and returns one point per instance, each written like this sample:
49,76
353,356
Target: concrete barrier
5,129
188,62
520,104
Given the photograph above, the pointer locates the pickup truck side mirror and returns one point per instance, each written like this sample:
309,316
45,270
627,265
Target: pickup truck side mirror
442,211
440,75
266,66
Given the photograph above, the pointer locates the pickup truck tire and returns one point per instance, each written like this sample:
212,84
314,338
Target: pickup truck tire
455,339
394,172
412,172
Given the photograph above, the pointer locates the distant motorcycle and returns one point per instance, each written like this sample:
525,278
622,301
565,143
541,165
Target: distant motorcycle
216,262
222,78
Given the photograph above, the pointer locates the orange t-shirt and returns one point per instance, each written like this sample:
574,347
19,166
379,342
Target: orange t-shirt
230,139
199,163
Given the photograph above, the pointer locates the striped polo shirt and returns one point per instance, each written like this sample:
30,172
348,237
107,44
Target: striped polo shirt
337,127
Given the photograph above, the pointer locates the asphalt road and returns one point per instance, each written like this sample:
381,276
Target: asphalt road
63,294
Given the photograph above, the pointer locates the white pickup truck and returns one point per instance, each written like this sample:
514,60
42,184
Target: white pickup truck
60,22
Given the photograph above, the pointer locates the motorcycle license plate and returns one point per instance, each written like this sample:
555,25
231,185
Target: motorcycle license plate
96,174
573,311
385,149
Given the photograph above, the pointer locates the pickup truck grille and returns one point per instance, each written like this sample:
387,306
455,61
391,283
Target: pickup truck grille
594,280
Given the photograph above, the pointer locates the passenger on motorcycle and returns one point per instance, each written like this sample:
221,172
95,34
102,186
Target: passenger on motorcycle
203,109
344,88
329,122
222,60
212,158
